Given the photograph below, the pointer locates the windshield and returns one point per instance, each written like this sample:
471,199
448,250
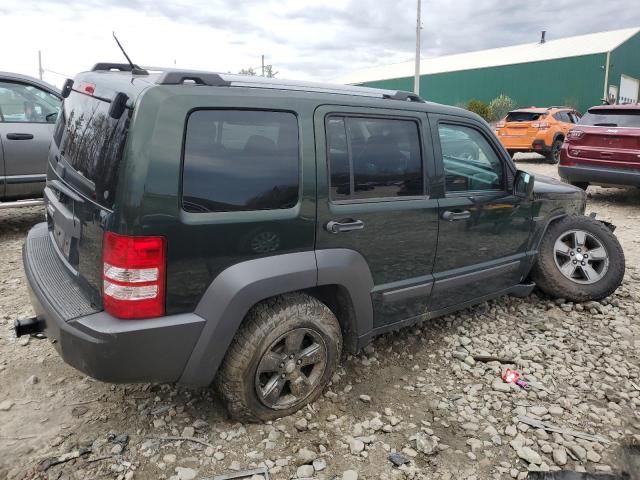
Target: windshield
612,118
92,143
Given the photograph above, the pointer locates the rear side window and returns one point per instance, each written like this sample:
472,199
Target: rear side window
238,160
562,117
373,158
612,118
92,142
523,116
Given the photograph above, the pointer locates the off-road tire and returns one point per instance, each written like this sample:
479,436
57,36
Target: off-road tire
264,324
550,280
553,156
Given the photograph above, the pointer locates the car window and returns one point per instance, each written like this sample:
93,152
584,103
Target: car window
562,117
612,117
240,160
373,158
27,104
519,116
470,163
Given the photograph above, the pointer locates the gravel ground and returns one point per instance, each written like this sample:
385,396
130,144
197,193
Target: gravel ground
422,394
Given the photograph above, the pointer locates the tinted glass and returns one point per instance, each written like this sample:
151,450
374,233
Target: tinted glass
338,153
240,160
470,163
92,142
523,116
562,117
27,104
612,118
374,158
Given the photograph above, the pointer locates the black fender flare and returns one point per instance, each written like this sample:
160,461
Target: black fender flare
233,292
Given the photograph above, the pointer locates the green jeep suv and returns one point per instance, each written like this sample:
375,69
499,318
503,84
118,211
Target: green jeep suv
206,228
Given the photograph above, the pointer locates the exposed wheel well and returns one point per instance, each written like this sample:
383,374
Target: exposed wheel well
559,136
338,299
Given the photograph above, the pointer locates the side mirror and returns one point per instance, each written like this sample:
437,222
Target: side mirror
51,117
523,185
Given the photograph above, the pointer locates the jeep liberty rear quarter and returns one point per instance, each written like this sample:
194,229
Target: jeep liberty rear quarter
207,227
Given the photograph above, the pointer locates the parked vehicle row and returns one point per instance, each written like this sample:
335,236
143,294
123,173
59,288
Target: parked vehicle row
538,130
204,226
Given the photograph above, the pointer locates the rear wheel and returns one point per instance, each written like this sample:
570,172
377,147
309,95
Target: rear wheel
553,156
579,259
282,358
512,153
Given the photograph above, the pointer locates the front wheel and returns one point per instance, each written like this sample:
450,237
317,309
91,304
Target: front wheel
579,259
282,358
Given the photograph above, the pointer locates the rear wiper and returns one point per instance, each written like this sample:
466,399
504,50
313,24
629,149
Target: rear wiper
605,124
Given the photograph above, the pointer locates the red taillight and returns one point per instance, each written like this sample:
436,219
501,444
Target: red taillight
88,88
133,279
575,134
540,125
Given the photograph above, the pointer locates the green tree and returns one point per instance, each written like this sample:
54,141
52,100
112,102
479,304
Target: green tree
479,107
499,107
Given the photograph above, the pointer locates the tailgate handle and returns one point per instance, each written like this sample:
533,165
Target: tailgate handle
452,216
19,136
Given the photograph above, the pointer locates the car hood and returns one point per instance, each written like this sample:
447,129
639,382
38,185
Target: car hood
550,188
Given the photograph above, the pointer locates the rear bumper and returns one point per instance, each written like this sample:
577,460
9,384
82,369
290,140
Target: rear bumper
94,342
600,175
525,144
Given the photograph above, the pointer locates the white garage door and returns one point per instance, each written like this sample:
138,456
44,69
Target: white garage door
629,87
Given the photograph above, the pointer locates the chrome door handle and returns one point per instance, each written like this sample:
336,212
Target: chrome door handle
451,216
344,226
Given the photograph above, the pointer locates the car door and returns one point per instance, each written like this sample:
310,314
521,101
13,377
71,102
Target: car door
484,227
372,171
26,128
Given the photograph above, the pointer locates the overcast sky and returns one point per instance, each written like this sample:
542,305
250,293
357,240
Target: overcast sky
304,39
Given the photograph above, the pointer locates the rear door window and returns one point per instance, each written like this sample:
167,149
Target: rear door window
238,160
371,158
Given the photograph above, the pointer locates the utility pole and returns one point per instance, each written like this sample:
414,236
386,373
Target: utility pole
416,78
40,71
263,65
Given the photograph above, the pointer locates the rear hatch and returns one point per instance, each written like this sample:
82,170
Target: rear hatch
82,181
521,123
610,137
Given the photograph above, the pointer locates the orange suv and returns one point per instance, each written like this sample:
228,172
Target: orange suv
539,130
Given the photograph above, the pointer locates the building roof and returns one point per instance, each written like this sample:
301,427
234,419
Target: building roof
592,43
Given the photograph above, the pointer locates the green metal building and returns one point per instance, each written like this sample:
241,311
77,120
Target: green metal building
575,71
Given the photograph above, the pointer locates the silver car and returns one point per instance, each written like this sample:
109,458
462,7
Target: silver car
28,111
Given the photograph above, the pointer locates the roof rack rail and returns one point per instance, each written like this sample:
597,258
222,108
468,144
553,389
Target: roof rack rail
199,78
403,96
120,67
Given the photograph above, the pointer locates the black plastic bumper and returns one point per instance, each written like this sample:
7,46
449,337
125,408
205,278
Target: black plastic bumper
600,175
94,342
